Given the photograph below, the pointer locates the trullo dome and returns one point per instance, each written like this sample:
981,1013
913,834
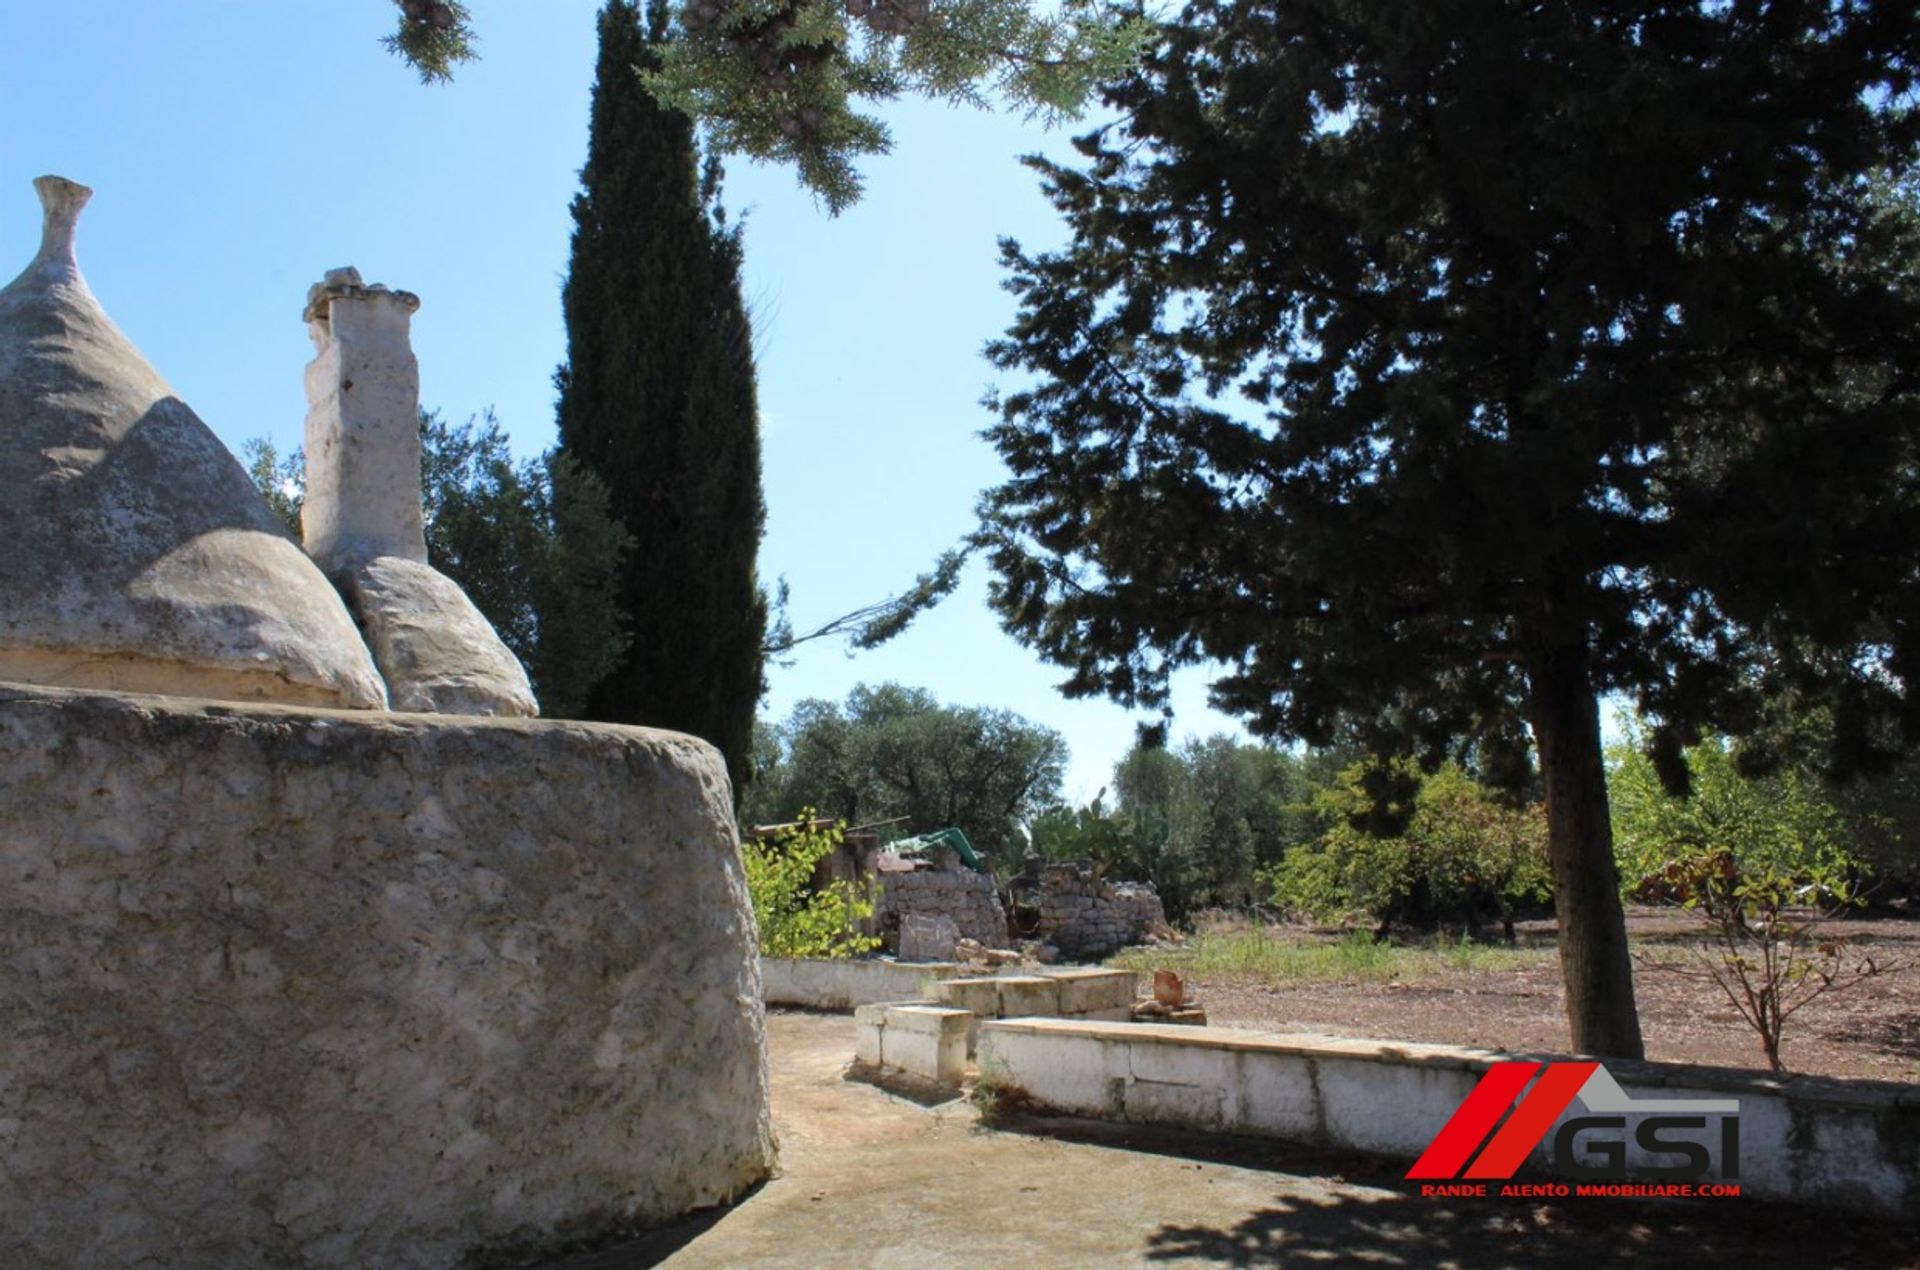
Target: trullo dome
135,553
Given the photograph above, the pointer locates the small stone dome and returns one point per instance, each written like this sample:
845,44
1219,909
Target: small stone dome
138,554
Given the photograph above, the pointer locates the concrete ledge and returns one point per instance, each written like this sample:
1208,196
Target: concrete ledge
1087,992
845,984
1091,989
1848,1144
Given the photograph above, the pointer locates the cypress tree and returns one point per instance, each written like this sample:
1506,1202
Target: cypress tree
657,398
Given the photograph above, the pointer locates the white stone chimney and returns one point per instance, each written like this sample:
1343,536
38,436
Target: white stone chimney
362,521
363,425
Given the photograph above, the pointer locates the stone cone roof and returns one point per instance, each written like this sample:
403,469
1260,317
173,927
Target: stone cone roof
138,556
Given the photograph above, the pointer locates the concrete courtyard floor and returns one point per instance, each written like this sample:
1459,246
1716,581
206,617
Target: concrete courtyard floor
869,1178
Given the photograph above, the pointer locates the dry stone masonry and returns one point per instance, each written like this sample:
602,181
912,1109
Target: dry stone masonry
362,516
286,987
1087,917
141,557
959,894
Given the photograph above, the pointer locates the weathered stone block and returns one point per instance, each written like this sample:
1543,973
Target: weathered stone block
1023,996
978,996
1085,990
288,987
435,650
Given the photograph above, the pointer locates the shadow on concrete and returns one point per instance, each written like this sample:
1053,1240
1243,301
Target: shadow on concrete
1346,1233
1392,1224
655,1246
917,1090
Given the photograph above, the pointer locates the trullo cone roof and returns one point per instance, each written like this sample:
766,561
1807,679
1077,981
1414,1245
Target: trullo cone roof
135,553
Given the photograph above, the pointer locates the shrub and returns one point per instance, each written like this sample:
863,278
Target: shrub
1459,853
1763,861
1783,824
795,918
1768,954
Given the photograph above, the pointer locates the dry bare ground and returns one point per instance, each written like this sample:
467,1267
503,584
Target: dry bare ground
1870,1030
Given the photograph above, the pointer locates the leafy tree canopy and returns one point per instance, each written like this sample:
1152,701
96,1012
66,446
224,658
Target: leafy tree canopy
895,751
1206,816
1457,852
1481,358
784,79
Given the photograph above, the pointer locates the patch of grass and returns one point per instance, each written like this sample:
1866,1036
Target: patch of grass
1259,954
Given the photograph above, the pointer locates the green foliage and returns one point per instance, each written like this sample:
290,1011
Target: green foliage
536,549
781,79
874,624
895,751
1482,359
657,399
1461,852
1204,818
1082,833
1765,861
433,37
1769,954
794,919
531,544
282,482
1413,433
1781,825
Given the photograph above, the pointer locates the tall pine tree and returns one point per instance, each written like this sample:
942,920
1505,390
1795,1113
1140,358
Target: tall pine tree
1441,368
657,398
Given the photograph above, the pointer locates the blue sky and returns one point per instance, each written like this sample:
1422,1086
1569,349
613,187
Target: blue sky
239,149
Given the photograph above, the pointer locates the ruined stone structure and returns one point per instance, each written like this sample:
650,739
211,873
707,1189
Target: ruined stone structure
1087,917
138,554
955,892
284,985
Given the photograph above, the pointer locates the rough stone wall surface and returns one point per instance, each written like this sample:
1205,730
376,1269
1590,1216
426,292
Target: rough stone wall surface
1086,917
961,894
363,425
438,654
328,988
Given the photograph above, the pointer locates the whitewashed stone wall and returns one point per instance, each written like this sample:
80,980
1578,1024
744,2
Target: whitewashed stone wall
329,988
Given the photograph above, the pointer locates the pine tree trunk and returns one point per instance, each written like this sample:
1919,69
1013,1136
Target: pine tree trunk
1586,888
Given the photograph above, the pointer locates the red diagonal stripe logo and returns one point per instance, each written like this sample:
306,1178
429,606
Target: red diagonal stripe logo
1531,1119
1454,1145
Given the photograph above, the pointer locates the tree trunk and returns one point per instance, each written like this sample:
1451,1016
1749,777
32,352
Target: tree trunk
1586,887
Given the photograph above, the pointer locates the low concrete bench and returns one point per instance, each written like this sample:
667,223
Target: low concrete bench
932,1039
924,1041
1849,1144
